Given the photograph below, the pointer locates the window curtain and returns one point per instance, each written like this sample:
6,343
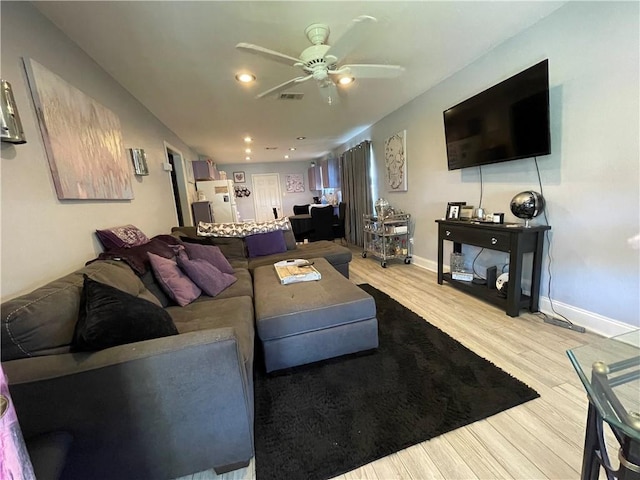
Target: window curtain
356,190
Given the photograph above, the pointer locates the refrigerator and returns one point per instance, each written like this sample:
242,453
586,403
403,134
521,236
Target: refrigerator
221,195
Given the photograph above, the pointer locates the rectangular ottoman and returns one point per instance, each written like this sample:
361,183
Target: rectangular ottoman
310,321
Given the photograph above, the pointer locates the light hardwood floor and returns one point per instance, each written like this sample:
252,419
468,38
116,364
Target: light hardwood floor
541,439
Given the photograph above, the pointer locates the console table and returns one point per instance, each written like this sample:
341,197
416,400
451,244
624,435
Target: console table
516,239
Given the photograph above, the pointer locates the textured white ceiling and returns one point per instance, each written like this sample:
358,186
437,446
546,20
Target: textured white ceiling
179,59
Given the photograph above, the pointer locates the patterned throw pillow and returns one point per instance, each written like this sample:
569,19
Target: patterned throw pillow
126,236
242,230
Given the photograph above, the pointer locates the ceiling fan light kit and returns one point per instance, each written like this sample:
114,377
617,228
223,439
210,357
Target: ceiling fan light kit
320,60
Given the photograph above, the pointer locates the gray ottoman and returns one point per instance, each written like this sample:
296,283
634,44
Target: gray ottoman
310,321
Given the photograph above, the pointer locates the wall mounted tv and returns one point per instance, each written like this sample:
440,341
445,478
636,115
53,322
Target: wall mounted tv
505,122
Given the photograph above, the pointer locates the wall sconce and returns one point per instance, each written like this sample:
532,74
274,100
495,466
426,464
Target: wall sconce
10,125
139,159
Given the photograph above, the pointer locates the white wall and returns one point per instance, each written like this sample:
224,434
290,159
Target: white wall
245,204
43,237
590,181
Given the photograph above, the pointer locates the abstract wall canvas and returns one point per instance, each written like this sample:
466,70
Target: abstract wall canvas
395,161
82,139
294,183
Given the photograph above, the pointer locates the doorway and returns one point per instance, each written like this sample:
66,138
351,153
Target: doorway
266,196
179,185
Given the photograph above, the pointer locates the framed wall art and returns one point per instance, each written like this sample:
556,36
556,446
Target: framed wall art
82,139
294,183
395,162
238,177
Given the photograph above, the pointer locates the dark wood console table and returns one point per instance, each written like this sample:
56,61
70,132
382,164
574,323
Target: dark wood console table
516,239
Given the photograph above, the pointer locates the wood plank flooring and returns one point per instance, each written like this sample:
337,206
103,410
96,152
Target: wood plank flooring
541,439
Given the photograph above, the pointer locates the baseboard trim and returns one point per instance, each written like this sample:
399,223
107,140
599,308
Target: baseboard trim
593,322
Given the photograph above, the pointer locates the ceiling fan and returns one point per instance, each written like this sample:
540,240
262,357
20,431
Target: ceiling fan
320,61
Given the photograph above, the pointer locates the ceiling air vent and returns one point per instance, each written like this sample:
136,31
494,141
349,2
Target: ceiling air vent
291,96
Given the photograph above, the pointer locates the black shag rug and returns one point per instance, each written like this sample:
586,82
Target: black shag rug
318,421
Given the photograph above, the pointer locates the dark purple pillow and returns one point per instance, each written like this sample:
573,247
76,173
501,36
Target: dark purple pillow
126,236
211,280
136,257
265,244
208,253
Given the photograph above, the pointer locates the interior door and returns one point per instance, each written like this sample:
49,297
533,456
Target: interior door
266,196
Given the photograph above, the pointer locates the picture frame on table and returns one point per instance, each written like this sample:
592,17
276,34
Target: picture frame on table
453,210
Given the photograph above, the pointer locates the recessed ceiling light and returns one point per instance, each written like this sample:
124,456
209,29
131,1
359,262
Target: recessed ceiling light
248,139
245,77
300,138
247,158
286,156
247,150
346,80
292,149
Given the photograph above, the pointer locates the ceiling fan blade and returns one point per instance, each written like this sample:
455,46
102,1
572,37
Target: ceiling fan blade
284,86
370,71
266,53
356,32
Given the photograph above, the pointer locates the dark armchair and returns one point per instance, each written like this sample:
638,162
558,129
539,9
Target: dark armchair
322,220
301,209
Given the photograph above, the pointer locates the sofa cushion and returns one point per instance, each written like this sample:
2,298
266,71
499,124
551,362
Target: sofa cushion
209,313
124,236
210,254
334,253
265,244
52,310
173,280
289,239
109,317
149,281
206,276
232,248
242,287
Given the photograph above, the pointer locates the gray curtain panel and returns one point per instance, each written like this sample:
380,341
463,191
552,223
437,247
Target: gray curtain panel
356,190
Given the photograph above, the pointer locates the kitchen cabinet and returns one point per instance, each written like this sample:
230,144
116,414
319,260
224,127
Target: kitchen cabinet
330,169
204,170
315,178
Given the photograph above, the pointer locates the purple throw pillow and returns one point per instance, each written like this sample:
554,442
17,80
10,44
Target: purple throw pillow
209,253
173,281
266,244
210,279
125,236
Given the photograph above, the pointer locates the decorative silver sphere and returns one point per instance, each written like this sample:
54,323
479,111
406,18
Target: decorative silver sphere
527,205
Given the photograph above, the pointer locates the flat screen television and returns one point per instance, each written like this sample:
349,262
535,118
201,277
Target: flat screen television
505,122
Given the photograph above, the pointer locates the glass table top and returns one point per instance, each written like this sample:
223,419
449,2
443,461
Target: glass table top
610,372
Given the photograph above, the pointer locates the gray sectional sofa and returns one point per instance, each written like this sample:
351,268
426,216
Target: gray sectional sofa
159,408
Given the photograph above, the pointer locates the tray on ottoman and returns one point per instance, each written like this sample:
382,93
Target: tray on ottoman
310,321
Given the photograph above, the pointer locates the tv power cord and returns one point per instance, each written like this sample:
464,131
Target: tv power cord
564,323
